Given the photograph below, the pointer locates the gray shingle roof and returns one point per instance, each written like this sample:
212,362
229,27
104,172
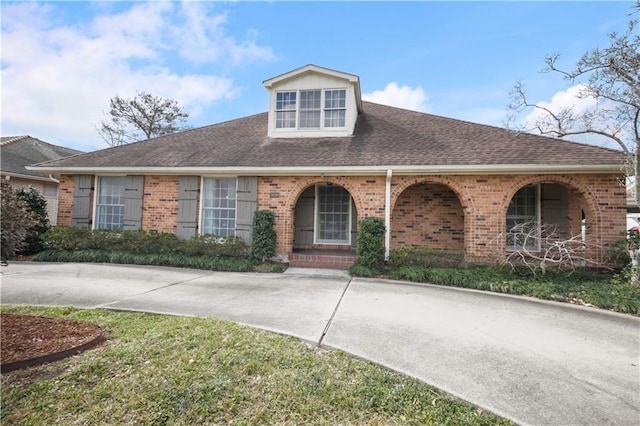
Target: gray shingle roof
16,152
384,136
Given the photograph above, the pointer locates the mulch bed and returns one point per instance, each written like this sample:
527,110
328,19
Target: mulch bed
30,340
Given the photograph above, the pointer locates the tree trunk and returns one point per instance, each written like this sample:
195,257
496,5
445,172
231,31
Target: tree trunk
636,170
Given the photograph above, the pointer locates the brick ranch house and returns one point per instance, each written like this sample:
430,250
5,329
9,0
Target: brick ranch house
322,159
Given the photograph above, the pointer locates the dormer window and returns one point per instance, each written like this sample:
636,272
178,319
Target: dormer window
286,110
335,107
310,109
313,102
308,112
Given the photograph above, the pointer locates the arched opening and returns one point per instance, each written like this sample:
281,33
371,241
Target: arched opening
544,213
325,217
428,214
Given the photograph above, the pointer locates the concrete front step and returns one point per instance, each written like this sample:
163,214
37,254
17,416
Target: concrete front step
301,260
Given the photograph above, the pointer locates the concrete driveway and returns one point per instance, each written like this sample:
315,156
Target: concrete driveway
532,361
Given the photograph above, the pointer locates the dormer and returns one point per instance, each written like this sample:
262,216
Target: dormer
311,102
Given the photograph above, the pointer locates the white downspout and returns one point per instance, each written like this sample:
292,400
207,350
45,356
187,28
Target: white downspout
387,215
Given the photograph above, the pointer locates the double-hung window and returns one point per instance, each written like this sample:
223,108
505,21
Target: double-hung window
110,202
311,109
335,107
286,110
333,214
523,219
219,206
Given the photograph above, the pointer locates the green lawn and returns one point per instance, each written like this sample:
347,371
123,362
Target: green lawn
180,370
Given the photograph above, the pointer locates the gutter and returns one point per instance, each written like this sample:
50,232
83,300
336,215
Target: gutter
49,179
387,214
518,169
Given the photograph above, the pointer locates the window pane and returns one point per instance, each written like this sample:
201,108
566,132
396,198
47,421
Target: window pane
335,102
310,119
333,214
219,206
310,109
286,101
335,99
310,99
334,118
522,223
286,119
110,202
285,110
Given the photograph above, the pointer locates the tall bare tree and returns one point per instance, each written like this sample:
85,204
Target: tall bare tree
143,117
610,76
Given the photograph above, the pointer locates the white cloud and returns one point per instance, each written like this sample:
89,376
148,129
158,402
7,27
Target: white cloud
400,96
57,79
570,100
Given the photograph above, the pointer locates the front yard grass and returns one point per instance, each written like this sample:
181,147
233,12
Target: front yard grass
157,369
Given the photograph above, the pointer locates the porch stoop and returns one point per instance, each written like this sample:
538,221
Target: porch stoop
317,259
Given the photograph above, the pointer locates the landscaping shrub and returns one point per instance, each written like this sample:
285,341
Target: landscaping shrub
263,245
16,221
211,245
65,244
37,205
425,256
617,254
179,260
371,243
67,238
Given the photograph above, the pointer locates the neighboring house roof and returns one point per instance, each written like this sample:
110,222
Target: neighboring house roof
18,152
385,137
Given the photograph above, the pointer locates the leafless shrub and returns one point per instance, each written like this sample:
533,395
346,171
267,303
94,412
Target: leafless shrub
543,247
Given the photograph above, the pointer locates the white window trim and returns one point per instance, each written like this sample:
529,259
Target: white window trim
538,214
322,127
96,194
316,222
201,203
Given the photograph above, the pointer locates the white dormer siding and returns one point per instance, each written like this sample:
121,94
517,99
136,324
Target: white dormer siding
313,102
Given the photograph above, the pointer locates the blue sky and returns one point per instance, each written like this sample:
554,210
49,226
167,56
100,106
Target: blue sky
63,61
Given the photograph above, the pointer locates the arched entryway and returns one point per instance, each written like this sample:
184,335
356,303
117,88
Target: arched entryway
325,216
428,214
325,227
549,211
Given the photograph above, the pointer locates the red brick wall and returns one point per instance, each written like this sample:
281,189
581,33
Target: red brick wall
428,214
484,201
464,212
160,203
65,200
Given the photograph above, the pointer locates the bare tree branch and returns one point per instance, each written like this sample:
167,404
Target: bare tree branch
143,117
610,76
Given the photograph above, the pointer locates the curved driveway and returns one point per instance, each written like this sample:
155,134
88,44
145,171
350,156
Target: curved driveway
532,361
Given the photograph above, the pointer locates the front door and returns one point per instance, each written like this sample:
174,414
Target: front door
304,218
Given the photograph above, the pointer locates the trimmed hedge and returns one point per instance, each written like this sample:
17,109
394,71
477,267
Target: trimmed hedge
425,256
371,242
65,244
141,242
228,264
264,236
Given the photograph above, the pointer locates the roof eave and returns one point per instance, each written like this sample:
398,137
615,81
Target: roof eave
49,179
518,169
